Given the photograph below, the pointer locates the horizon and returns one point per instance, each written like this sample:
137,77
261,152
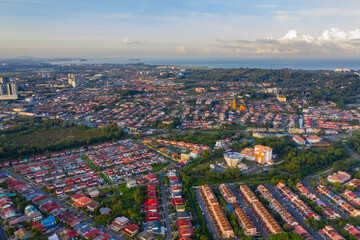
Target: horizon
166,30
255,63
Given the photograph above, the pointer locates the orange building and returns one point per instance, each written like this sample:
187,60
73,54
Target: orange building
263,154
234,105
281,98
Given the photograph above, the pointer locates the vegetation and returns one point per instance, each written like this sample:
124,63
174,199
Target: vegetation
354,143
317,85
301,162
31,136
157,167
208,139
173,123
127,204
198,172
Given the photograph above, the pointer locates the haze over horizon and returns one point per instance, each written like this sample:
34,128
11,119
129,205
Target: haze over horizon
180,29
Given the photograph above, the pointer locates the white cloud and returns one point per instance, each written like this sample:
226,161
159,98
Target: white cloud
330,41
284,16
293,35
322,13
335,35
130,41
181,49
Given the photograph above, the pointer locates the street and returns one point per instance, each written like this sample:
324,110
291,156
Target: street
298,217
69,208
207,218
322,198
351,152
2,233
165,206
248,211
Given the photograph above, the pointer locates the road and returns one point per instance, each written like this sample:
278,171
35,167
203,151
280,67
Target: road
165,205
352,153
207,218
69,208
288,206
249,213
325,200
2,233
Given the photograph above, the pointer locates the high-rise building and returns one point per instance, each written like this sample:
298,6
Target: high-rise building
10,93
263,154
75,79
260,154
14,89
4,80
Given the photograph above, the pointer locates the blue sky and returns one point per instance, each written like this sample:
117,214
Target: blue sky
180,29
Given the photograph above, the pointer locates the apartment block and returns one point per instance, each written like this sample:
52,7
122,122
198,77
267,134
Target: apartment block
221,223
227,193
245,221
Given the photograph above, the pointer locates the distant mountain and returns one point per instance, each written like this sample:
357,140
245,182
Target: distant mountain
34,59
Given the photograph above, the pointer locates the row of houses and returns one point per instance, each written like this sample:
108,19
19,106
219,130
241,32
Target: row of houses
350,210
217,215
284,214
329,232
277,207
48,225
62,154
244,220
182,144
182,217
151,206
298,204
328,212
270,225
352,230
227,193
242,217
354,183
352,197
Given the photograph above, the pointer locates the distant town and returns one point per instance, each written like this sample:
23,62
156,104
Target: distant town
136,151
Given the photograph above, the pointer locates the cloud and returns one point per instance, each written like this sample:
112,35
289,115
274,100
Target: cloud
181,49
293,35
330,41
265,6
129,41
284,16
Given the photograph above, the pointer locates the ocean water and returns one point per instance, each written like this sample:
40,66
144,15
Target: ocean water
305,64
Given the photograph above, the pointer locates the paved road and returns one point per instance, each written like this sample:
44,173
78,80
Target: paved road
2,233
165,204
325,200
248,211
209,223
352,153
69,208
288,206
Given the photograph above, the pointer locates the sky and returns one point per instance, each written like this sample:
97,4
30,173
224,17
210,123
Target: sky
187,29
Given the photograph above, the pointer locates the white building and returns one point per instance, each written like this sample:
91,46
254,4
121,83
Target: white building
232,159
220,144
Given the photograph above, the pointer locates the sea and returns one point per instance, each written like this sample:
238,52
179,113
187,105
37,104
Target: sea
303,64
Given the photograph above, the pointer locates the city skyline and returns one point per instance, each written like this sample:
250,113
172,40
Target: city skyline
162,29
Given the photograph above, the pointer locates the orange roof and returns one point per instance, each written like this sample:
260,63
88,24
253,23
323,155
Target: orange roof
83,201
